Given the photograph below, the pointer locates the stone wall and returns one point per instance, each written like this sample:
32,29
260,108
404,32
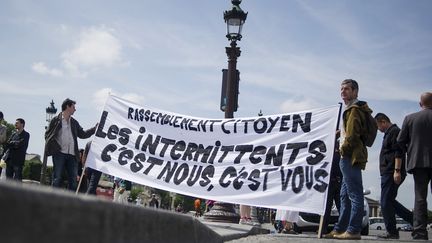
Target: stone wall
40,214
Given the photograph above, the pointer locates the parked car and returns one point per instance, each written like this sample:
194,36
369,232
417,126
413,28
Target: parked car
310,221
407,227
401,223
376,223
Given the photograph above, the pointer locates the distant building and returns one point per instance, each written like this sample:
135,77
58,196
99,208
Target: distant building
33,157
374,207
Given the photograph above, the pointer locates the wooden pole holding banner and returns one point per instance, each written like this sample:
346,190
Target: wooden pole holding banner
81,178
320,228
84,159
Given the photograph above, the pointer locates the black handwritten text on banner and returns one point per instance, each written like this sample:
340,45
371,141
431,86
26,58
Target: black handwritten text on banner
279,161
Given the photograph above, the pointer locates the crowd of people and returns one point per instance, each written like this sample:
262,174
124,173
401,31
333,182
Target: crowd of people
404,150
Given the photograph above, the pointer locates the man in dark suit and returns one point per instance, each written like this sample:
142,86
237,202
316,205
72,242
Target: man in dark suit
415,136
16,148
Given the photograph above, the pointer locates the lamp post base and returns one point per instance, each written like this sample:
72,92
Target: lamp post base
222,212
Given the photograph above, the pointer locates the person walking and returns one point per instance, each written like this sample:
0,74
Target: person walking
393,173
197,206
415,137
154,203
3,138
16,148
61,143
353,160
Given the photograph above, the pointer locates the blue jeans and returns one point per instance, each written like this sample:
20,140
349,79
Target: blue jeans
62,161
93,176
352,205
390,206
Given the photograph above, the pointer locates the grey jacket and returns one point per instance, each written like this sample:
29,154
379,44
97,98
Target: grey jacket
51,145
415,136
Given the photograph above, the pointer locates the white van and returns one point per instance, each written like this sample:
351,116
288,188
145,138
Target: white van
377,223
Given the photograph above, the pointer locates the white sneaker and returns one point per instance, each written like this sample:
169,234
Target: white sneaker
243,221
256,224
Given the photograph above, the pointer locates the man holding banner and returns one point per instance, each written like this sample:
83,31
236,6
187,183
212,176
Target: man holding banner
61,142
353,159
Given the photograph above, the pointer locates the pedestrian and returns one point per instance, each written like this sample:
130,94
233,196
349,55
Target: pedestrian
209,204
3,138
93,175
61,143
16,148
286,220
82,173
197,206
245,215
179,208
154,203
415,137
122,190
393,173
353,160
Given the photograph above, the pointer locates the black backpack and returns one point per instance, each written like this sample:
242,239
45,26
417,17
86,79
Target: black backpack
371,130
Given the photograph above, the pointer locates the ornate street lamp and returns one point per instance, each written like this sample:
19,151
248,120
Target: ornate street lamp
234,18
50,112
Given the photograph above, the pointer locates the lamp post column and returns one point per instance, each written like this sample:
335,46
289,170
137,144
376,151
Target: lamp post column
234,18
221,211
50,112
233,53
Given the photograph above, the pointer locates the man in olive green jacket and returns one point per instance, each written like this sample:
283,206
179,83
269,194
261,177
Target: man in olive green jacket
353,160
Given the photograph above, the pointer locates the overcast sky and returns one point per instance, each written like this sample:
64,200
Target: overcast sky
169,55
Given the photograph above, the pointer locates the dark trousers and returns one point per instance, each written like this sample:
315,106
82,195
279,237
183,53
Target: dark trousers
422,177
333,194
14,172
60,162
93,176
390,206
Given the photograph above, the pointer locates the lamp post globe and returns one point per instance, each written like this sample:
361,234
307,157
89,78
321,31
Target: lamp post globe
234,19
50,112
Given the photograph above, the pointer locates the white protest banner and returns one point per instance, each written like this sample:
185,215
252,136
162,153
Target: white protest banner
276,161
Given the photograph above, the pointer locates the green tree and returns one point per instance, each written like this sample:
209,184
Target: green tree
32,169
135,192
10,128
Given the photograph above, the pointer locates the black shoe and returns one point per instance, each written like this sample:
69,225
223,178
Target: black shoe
419,237
388,236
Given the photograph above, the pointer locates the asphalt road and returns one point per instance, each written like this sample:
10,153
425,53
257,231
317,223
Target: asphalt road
312,236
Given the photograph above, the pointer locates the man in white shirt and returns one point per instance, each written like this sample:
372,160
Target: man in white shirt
61,143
